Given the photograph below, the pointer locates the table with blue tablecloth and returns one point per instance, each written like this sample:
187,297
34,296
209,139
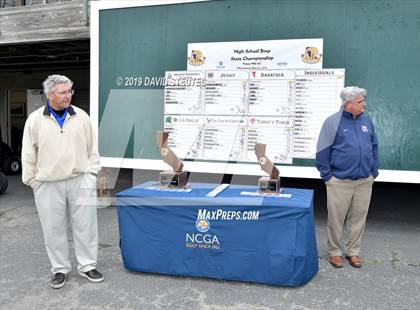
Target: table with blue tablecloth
232,236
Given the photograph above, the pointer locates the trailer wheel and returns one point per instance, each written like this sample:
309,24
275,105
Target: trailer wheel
12,165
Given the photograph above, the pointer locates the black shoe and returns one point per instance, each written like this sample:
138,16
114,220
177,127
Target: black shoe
92,275
58,280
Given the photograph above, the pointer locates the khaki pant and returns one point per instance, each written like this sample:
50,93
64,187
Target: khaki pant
347,201
52,199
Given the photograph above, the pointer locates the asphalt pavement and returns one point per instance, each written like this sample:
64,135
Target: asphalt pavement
389,278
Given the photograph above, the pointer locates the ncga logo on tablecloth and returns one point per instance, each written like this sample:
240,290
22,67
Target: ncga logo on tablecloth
201,239
202,225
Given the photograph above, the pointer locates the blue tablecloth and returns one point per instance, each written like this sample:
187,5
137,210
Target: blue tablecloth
258,239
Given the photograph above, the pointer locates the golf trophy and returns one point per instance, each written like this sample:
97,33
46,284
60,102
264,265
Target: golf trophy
270,184
175,178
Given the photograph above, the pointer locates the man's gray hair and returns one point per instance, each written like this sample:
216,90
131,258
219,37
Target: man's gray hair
53,80
351,92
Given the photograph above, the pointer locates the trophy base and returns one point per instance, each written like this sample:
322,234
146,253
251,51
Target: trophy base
173,179
267,185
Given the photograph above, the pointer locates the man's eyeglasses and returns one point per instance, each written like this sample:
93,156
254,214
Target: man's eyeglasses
67,92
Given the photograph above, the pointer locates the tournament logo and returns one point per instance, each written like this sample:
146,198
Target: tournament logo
197,58
364,128
202,239
202,225
221,65
311,55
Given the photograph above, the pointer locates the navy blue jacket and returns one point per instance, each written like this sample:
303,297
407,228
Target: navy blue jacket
347,147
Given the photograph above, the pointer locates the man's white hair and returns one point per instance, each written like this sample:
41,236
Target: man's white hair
351,92
53,80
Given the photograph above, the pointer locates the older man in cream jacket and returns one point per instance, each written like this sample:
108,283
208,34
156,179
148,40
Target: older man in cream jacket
60,162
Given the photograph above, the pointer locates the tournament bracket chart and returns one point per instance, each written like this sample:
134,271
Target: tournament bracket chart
271,113
225,92
225,105
224,138
276,133
185,135
317,97
234,110
183,92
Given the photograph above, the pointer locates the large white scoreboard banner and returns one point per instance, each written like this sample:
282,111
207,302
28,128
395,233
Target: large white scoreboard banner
221,115
257,55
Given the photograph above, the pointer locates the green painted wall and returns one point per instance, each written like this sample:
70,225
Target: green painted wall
377,42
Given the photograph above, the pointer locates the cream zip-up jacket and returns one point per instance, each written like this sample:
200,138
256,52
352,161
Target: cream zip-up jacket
52,153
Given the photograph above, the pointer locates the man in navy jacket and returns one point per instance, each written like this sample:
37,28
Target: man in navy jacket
347,159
